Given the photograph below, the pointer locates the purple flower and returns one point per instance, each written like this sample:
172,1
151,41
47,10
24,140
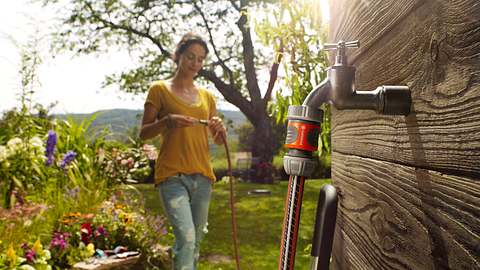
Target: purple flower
30,256
68,158
158,225
72,193
59,240
50,149
100,231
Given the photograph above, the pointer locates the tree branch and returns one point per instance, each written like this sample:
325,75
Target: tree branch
235,5
222,62
230,93
273,74
216,63
128,29
248,55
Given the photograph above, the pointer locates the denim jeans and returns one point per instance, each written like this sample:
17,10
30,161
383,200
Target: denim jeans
186,199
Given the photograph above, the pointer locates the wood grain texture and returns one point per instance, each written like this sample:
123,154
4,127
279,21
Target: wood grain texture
435,50
398,217
410,186
367,20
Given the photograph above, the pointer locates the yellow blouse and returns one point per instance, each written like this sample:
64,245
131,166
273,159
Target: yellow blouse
184,150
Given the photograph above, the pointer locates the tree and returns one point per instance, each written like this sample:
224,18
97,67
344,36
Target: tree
147,28
297,24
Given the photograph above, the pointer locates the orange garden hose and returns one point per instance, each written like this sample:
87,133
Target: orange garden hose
232,205
232,198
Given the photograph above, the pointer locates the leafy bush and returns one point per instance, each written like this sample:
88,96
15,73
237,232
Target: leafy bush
128,165
52,174
48,178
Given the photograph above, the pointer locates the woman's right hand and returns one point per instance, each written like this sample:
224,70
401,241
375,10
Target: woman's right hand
179,120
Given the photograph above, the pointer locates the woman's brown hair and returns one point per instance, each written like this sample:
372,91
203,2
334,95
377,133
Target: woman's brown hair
187,40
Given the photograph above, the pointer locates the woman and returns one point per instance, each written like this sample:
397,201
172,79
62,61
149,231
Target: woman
183,173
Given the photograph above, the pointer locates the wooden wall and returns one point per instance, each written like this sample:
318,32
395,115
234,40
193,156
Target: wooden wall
410,186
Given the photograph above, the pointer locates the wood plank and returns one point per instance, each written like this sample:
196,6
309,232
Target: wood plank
398,217
367,20
436,52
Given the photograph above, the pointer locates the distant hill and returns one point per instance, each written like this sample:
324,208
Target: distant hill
121,122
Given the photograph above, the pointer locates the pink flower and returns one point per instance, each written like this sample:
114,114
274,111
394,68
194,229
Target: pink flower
29,253
30,256
100,231
59,240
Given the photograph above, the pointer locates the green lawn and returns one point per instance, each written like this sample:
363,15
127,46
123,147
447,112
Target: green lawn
259,225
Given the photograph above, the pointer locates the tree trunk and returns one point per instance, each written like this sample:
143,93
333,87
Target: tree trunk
263,148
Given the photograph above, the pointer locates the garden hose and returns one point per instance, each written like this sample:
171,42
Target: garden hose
302,140
232,198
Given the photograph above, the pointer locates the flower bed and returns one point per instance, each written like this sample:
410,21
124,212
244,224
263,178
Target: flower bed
111,230
64,198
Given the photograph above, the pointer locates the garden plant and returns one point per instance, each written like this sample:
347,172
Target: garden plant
65,196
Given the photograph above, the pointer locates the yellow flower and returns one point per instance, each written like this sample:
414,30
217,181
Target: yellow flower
66,221
127,218
90,249
11,255
37,246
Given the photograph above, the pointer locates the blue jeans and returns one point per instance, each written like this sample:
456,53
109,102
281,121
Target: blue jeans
186,199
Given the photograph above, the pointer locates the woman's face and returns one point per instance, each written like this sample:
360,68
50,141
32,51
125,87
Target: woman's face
191,60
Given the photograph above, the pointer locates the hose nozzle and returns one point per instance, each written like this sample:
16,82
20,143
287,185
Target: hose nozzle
203,122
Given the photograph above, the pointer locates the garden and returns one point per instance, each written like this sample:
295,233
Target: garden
68,197
72,193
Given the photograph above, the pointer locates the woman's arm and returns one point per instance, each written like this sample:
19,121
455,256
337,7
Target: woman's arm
151,125
215,123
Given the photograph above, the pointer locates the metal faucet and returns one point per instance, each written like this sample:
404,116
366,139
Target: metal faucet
338,88
302,140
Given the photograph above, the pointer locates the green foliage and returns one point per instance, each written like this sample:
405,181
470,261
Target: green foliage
130,227
304,62
41,195
127,165
51,168
245,138
149,30
30,257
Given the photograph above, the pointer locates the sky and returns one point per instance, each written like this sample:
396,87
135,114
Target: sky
72,81
75,82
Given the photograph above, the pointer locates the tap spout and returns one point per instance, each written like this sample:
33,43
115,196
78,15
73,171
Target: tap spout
339,89
319,95
385,99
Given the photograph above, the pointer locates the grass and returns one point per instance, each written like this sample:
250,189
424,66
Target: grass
259,221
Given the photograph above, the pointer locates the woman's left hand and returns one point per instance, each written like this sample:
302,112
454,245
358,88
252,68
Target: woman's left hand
215,124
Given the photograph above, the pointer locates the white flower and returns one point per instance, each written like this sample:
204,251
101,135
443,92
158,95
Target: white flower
3,153
14,145
26,267
46,256
36,142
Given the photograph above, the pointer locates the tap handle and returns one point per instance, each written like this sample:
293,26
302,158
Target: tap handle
329,46
353,44
341,47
